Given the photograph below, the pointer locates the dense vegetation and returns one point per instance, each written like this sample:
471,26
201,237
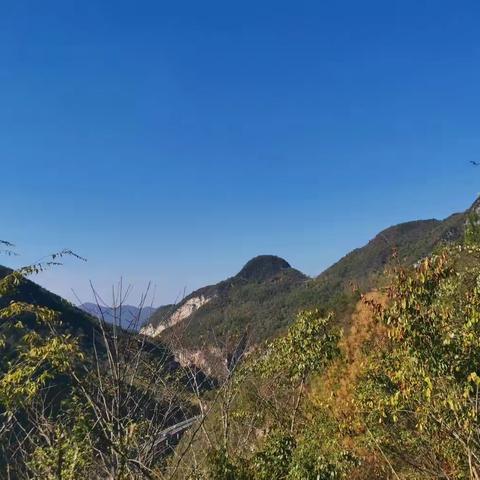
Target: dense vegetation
264,307
383,384
263,298
81,398
394,397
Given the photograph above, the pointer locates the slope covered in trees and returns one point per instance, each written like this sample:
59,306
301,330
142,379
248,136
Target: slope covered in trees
394,397
262,300
257,302
80,398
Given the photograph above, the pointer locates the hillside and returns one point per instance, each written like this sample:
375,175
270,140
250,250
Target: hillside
260,277
407,242
266,294
274,396
395,396
258,299
55,367
74,321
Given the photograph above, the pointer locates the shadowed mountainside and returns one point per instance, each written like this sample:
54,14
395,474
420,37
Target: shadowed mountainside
81,325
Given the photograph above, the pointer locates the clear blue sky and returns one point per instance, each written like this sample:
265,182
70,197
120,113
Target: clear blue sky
173,141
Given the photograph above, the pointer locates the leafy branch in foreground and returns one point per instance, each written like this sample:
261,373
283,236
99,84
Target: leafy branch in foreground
420,391
260,428
97,404
34,361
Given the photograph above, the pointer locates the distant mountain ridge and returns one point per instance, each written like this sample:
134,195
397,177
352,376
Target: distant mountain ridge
265,295
74,321
129,317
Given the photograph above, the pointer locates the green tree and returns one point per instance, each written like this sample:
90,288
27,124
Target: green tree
35,440
472,229
420,392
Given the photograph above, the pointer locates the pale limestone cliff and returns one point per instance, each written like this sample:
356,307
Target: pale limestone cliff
181,313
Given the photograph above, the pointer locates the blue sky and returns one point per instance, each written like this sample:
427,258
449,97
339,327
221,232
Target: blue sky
172,141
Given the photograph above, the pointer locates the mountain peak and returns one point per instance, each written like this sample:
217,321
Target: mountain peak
263,267
475,206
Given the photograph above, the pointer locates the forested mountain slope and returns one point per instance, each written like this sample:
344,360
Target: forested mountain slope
73,320
407,242
262,299
393,396
82,326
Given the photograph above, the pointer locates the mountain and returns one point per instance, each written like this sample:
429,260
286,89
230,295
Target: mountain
229,305
74,320
129,317
263,298
262,268
407,242
260,279
81,325
257,299
119,370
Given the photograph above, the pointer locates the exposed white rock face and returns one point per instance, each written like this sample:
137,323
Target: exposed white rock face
149,330
209,360
180,314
